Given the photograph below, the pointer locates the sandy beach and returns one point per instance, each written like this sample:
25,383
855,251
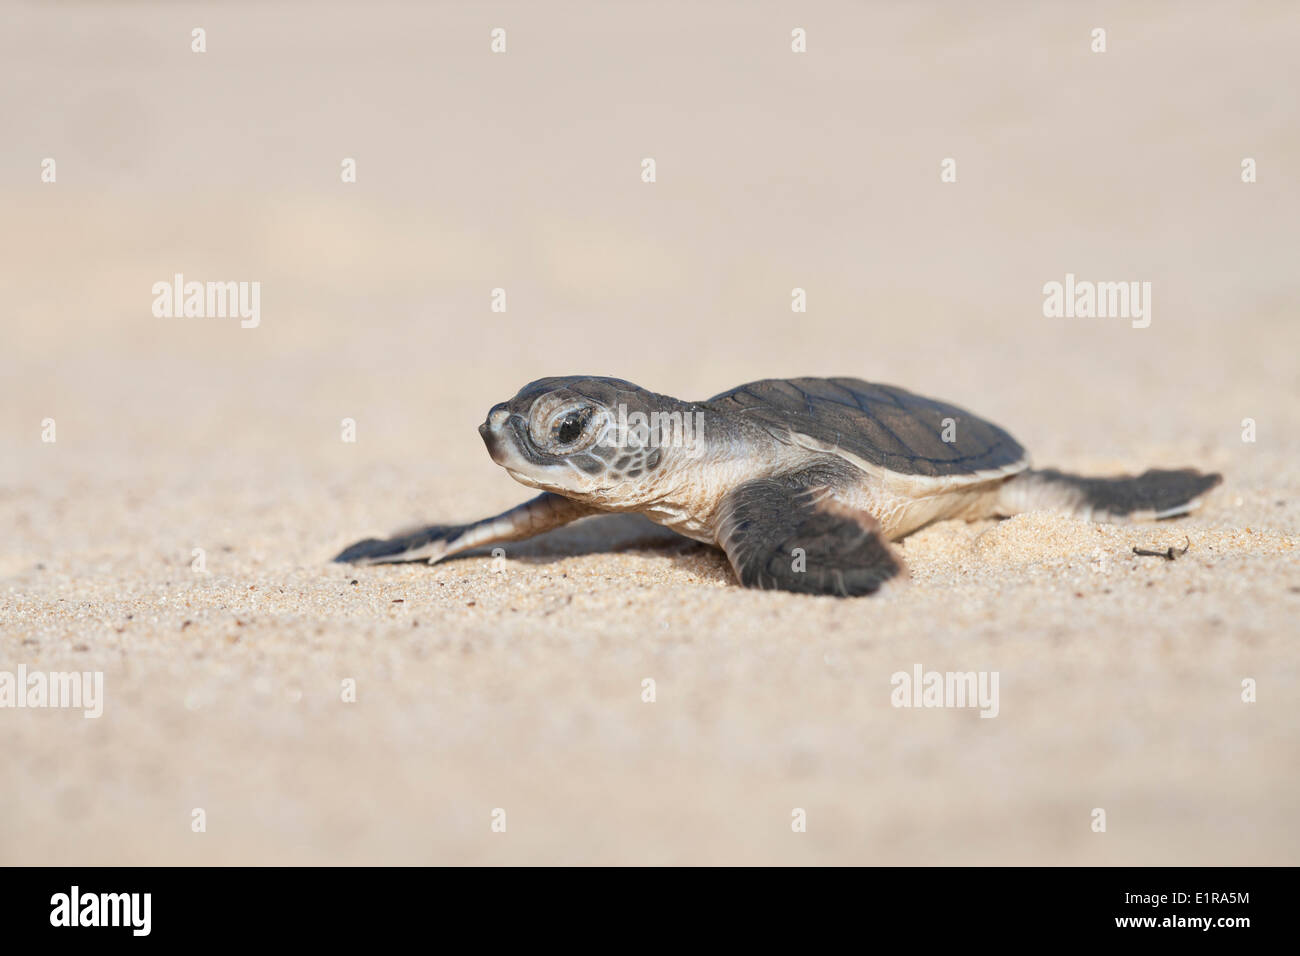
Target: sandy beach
175,536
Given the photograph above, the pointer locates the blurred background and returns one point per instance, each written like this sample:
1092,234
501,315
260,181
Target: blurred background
521,170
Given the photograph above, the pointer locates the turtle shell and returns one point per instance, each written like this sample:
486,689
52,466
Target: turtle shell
887,427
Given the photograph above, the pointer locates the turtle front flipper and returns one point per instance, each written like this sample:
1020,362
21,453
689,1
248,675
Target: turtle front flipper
1150,496
410,546
794,534
432,544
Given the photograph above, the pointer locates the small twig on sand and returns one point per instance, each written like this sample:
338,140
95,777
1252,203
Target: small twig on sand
1169,555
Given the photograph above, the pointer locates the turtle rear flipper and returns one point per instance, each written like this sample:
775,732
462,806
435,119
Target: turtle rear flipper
1152,495
794,534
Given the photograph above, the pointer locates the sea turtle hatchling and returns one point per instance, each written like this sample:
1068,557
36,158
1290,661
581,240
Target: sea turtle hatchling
802,482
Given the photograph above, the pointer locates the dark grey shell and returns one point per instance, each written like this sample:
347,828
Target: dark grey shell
883,425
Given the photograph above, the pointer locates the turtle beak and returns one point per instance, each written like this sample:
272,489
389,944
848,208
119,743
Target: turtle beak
492,429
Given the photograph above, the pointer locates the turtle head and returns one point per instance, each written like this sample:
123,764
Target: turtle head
588,437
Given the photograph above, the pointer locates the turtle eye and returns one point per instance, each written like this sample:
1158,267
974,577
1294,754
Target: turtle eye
569,426
569,429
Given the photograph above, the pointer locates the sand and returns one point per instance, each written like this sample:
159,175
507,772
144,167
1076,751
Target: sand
518,685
